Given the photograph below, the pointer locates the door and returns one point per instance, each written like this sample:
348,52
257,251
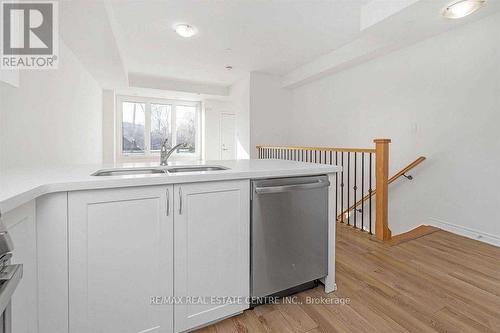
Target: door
120,259
228,136
211,251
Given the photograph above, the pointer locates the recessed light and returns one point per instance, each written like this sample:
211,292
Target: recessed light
229,68
462,8
185,30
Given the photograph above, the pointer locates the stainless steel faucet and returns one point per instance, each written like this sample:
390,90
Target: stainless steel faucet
166,152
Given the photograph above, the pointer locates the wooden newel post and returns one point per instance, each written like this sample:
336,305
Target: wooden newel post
382,231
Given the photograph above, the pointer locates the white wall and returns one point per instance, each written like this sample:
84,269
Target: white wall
438,98
54,117
211,129
262,107
108,126
270,106
240,98
10,76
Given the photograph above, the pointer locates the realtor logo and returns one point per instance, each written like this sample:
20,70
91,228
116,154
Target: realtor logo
29,35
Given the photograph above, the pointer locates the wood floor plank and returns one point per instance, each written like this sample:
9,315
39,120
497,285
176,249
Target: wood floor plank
378,319
485,283
462,258
467,244
431,269
225,326
488,319
400,309
248,322
446,261
325,320
263,309
452,321
444,285
347,315
208,329
438,282
297,318
274,322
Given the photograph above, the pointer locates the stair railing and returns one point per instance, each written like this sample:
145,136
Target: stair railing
402,173
365,171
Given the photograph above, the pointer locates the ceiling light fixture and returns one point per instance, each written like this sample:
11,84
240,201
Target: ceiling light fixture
462,8
185,30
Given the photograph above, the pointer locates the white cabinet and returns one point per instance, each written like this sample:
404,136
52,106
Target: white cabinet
128,246
120,255
52,260
211,250
39,234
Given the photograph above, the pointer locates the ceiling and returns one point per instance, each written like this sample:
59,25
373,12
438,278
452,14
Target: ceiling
268,36
132,42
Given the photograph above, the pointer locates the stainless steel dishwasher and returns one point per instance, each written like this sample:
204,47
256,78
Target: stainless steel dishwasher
289,235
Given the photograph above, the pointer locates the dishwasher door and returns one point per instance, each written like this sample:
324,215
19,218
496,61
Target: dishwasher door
289,235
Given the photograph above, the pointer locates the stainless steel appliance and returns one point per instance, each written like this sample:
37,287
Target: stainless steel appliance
289,234
10,275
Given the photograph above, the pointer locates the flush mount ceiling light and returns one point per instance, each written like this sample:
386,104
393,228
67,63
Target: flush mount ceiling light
462,8
185,30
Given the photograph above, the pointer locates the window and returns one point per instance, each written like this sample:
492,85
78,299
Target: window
133,122
145,123
161,122
186,127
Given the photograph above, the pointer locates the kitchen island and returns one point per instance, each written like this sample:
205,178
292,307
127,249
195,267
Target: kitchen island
108,253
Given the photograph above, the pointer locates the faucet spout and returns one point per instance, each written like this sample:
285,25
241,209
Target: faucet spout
166,152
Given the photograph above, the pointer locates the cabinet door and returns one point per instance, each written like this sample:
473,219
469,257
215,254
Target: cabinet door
211,250
120,256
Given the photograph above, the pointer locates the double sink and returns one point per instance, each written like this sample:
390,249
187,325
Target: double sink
157,170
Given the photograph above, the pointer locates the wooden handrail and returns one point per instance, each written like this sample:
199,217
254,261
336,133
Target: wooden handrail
354,150
407,168
391,180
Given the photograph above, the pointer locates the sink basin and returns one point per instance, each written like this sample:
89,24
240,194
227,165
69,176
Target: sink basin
157,170
195,168
129,171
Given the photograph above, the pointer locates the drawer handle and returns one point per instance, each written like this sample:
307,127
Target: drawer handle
168,202
180,201
287,188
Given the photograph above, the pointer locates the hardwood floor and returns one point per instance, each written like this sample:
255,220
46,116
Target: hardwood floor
439,282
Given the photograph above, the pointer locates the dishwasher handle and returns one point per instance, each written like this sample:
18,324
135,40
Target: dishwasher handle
287,188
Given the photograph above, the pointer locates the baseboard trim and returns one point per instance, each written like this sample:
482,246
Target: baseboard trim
464,231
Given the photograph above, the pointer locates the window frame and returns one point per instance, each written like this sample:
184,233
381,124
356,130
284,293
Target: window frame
149,155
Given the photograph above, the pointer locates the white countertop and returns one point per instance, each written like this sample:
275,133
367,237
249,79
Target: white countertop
19,186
